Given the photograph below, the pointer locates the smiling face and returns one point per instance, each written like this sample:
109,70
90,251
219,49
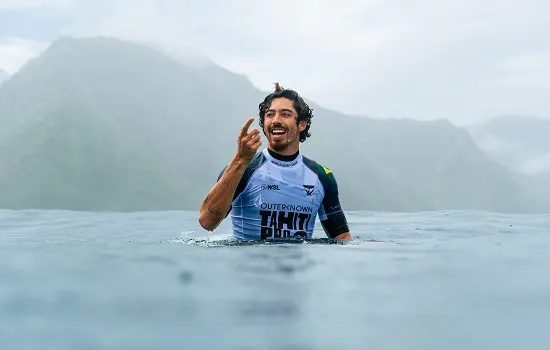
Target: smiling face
283,134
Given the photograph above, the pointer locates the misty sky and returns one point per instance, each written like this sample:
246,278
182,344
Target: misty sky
461,60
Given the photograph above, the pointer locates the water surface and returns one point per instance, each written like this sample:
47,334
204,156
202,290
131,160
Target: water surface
437,280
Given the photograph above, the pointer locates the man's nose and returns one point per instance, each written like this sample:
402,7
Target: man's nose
278,117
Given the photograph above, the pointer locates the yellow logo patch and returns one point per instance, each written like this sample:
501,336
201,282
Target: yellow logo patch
327,170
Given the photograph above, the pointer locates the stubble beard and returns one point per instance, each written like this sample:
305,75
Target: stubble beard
280,147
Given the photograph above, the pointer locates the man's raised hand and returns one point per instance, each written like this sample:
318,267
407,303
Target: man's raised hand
248,141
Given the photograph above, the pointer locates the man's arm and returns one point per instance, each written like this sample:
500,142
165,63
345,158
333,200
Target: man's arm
331,214
218,200
336,226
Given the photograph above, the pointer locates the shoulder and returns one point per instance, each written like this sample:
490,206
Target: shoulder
326,176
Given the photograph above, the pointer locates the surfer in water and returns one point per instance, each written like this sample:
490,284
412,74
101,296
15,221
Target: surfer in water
276,193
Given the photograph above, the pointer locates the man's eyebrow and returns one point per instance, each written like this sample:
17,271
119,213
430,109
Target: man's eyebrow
282,110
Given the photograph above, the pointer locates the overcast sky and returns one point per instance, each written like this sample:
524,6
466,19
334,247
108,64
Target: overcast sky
461,60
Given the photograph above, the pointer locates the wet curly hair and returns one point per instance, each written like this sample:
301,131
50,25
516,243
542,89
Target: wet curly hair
305,113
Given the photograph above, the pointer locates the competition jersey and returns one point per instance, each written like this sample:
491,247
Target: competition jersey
281,199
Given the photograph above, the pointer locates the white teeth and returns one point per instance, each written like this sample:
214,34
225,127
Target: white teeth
278,131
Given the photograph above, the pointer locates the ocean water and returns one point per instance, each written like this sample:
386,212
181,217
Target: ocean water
156,280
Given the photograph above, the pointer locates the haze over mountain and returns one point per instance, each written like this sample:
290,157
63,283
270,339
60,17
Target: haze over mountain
522,143
3,76
105,124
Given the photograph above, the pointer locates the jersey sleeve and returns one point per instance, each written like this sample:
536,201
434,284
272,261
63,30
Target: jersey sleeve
331,214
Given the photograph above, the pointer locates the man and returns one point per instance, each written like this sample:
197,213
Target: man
275,193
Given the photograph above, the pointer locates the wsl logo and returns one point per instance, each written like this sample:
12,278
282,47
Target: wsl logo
270,187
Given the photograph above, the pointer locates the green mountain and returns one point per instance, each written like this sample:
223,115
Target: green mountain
106,124
427,166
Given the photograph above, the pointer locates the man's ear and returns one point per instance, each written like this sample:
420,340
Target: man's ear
302,125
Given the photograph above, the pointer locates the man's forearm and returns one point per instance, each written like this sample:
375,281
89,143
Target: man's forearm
218,200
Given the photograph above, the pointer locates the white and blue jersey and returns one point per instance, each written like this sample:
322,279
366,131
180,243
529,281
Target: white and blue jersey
281,196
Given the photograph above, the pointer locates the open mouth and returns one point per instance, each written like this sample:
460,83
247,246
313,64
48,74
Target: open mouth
277,133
